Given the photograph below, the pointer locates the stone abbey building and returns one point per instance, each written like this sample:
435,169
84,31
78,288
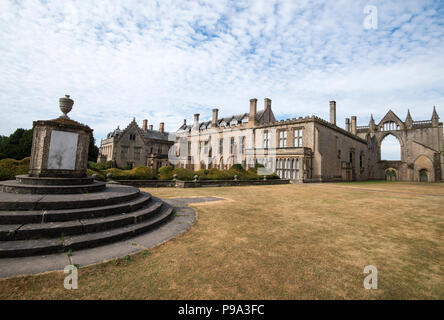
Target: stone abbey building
135,146
310,149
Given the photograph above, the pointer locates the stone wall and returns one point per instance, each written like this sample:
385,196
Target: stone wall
202,183
332,155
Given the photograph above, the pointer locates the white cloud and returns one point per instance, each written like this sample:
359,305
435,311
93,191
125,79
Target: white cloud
166,60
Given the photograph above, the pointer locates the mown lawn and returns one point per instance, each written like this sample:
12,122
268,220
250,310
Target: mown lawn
307,241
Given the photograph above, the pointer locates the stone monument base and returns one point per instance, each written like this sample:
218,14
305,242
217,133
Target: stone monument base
50,215
44,185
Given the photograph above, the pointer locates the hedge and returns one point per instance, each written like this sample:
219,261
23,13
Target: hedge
97,166
216,174
137,173
9,168
166,173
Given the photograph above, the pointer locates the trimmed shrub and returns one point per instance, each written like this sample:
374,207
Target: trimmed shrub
184,174
273,176
137,173
100,175
9,168
99,166
96,165
237,167
258,165
166,173
143,173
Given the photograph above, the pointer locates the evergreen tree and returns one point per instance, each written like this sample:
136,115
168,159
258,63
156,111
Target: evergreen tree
93,150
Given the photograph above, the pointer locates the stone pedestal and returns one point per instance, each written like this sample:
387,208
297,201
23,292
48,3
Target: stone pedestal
59,148
57,208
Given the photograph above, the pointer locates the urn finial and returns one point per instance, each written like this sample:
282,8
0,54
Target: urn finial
65,105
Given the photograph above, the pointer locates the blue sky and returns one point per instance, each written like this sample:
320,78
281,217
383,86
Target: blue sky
166,60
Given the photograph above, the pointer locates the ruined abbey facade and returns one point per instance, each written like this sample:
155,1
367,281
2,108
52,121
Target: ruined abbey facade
310,149
421,147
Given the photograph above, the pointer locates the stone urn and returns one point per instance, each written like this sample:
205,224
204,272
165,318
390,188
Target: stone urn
65,105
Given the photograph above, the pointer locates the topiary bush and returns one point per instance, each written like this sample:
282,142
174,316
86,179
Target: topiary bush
9,168
166,173
96,166
143,173
137,173
273,176
184,174
237,167
258,165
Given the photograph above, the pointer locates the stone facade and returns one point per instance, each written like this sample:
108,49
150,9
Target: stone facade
311,149
421,147
135,146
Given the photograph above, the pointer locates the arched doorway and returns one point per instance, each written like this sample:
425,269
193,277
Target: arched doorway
423,175
390,148
391,175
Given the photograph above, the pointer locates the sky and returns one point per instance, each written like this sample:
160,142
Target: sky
166,60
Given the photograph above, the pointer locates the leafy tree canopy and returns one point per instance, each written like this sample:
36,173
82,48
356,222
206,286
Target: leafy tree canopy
17,145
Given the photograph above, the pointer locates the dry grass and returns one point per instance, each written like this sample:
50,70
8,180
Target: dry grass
279,242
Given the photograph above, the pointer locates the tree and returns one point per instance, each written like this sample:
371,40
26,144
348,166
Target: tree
17,145
93,150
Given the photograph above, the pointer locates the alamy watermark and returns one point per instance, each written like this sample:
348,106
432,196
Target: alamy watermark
371,281
371,18
71,280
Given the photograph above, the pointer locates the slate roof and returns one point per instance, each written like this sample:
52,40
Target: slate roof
146,134
207,124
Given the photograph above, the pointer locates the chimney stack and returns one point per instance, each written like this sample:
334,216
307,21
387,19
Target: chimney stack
161,127
196,121
353,125
145,124
184,122
151,127
253,111
333,112
214,120
267,103
347,124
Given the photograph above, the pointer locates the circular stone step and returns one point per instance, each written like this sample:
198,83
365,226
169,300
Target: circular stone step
124,227
12,186
60,215
47,181
113,194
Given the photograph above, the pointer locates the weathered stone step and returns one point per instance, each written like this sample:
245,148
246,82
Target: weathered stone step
62,229
20,248
9,249
49,181
113,194
13,186
43,216
100,238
